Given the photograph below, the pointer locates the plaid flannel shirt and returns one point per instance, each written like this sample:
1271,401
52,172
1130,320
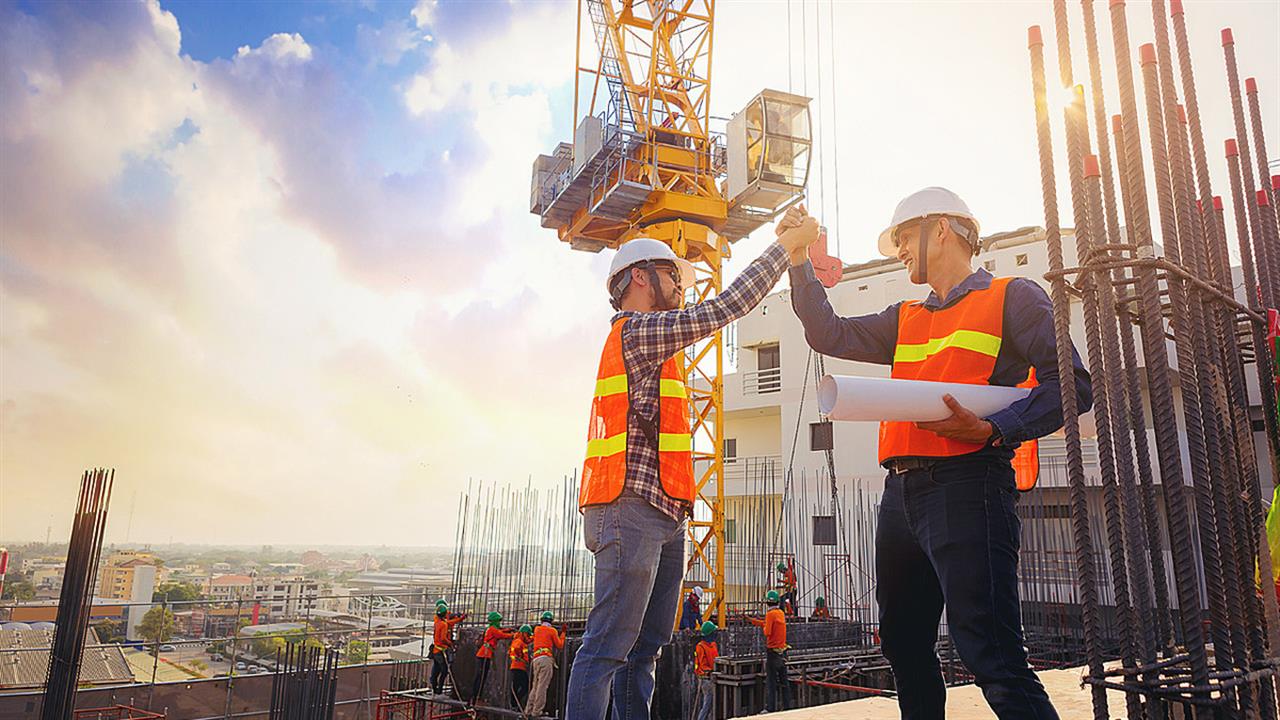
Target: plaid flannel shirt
649,339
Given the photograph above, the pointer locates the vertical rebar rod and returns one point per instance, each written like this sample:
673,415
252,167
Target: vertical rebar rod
1142,451
1186,347
1156,356
1066,370
1125,394
1264,263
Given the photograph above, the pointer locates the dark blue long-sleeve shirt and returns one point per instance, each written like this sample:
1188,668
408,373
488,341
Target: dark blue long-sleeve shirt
1028,341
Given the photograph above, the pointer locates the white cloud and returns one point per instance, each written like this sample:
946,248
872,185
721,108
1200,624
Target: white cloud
253,363
286,47
424,13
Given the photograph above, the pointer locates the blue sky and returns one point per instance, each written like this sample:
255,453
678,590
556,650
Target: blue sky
278,254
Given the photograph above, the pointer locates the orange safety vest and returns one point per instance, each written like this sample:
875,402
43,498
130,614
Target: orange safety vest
492,636
545,640
519,652
605,471
958,344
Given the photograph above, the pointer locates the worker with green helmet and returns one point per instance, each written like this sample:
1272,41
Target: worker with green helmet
442,645
787,586
704,663
518,652
775,640
820,610
493,635
546,641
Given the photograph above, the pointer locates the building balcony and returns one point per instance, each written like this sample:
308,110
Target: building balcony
762,382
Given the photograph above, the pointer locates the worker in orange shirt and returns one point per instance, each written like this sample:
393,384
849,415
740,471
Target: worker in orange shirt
704,663
820,611
546,640
493,635
442,645
787,587
518,652
775,664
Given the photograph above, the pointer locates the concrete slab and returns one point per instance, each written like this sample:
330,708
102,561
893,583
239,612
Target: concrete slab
966,703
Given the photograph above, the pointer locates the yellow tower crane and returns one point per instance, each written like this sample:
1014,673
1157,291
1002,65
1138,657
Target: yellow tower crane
648,164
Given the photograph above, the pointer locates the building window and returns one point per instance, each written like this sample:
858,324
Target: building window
989,265
821,436
1020,260
768,368
730,531
730,449
824,529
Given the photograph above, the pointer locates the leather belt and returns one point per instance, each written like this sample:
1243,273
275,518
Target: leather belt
900,466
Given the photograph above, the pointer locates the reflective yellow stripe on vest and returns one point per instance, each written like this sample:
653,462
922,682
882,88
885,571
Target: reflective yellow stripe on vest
604,447
978,342
672,388
614,385
675,442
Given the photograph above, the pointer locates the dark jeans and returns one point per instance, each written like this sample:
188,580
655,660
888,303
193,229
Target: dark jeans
775,668
949,535
439,671
520,688
482,674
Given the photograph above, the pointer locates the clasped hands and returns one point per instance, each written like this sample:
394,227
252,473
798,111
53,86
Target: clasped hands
796,231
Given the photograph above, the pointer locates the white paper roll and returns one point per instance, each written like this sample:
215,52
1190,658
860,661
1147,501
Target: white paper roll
849,397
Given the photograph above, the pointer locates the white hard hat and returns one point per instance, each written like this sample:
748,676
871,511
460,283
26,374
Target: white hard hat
697,590
923,203
647,249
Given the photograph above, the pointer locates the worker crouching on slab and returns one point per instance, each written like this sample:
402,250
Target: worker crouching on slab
774,626
637,482
948,532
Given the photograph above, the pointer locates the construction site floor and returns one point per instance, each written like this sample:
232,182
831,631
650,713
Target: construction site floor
963,703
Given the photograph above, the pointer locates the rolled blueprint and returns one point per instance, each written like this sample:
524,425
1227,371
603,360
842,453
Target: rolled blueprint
849,397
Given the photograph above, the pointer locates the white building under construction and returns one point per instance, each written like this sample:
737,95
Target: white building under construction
773,429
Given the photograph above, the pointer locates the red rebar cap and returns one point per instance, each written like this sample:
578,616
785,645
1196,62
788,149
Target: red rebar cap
1264,198
1217,202
1251,85
1275,182
1117,124
1232,149
1034,37
1147,53
1226,37
1175,7
1182,113
1199,207
1091,166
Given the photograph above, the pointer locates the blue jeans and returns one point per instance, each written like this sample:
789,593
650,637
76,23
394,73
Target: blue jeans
705,698
949,535
639,559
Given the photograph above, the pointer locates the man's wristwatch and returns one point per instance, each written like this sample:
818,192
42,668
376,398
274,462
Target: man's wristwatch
996,439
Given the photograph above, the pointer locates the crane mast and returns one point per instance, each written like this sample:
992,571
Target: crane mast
647,163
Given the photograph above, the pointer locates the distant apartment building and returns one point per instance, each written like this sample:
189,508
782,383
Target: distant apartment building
229,588
48,577
119,569
286,597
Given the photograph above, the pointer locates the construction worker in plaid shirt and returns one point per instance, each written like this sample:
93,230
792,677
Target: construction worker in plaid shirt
637,482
